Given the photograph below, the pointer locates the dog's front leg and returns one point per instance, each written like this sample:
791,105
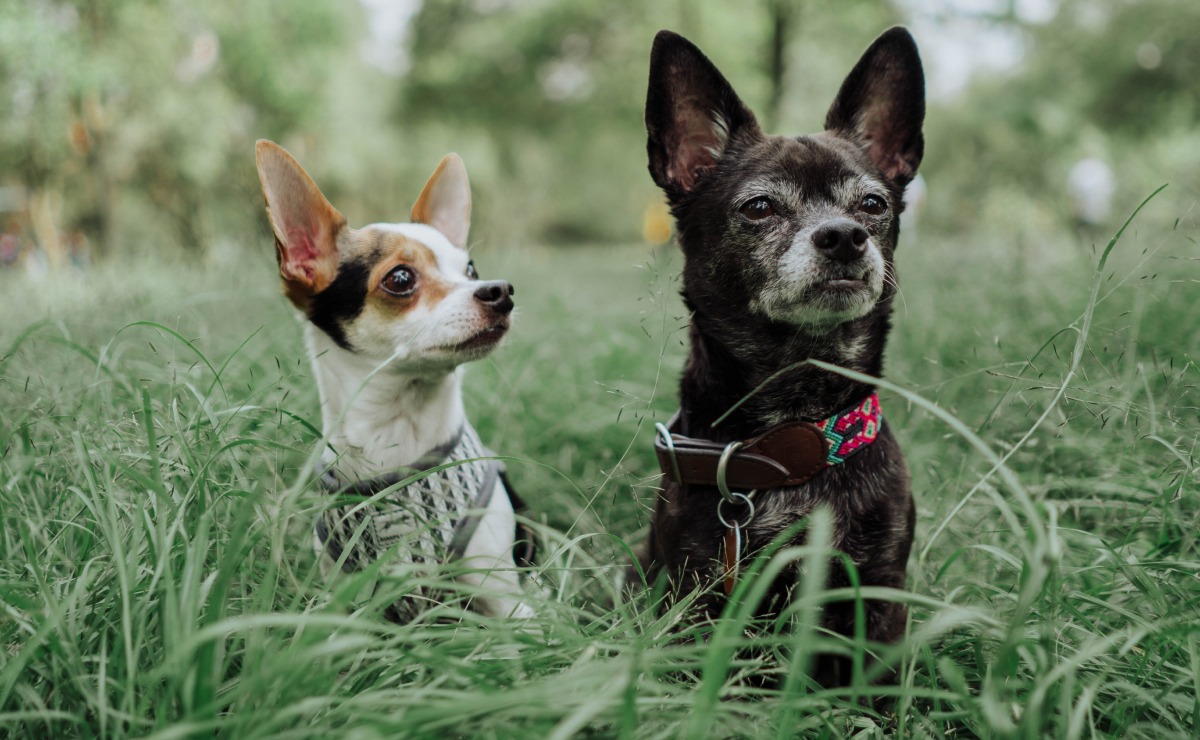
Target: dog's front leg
489,556
884,620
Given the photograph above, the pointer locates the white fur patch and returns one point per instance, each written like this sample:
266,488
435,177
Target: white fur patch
792,294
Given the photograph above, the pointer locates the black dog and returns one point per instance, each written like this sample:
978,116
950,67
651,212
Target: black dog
788,246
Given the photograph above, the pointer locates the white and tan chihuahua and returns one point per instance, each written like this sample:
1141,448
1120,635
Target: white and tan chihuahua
393,311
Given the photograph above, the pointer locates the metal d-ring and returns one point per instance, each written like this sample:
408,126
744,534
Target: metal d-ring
670,444
735,498
726,454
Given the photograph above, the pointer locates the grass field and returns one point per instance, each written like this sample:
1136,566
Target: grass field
157,580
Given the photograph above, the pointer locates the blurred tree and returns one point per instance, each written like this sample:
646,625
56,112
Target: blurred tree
1111,79
1128,67
131,120
553,87
557,89
783,14
136,115
147,108
40,72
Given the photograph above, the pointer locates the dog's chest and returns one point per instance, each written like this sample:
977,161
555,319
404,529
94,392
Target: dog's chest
700,534
418,525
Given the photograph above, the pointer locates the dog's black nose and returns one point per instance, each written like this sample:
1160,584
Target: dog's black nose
496,295
841,240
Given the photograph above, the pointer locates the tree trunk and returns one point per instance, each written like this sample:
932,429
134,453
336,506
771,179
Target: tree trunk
95,220
44,206
782,16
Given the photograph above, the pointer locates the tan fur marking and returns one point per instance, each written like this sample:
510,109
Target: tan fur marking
445,201
398,250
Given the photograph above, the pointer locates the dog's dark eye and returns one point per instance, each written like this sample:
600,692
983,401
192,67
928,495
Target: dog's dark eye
872,205
758,209
472,273
400,281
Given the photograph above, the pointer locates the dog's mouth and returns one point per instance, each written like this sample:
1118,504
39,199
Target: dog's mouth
830,294
481,340
844,282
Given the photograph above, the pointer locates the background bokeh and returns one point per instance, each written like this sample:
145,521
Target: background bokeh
126,126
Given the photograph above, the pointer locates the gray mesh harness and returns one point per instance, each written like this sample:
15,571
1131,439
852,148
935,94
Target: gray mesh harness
424,523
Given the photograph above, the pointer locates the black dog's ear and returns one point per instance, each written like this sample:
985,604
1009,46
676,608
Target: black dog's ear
692,113
882,105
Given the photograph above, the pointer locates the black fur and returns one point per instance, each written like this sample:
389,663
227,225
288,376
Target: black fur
340,304
764,298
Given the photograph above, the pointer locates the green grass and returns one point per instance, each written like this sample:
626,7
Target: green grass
157,578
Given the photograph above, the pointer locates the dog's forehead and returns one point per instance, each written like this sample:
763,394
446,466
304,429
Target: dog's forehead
411,243
819,158
814,165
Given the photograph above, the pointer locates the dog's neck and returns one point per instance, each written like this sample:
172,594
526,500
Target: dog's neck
730,359
378,420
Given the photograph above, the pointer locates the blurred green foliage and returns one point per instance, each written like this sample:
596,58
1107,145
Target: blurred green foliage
1109,79
131,121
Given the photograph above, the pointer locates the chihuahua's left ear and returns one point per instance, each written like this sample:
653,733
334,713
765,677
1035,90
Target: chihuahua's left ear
692,114
306,226
445,201
882,105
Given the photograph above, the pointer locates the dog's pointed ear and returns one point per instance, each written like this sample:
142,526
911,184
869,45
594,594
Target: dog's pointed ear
692,114
445,201
306,226
882,105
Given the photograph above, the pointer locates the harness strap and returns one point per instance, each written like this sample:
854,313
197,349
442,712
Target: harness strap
464,528
371,486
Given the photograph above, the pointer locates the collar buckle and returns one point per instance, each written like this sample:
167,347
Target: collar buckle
722,467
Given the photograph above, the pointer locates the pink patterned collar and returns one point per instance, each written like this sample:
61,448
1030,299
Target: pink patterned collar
851,430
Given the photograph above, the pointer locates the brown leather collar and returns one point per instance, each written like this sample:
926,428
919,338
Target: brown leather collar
785,455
